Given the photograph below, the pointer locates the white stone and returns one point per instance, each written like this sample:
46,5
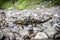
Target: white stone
40,36
50,32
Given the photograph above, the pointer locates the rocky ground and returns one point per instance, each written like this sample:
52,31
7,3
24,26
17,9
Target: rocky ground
42,31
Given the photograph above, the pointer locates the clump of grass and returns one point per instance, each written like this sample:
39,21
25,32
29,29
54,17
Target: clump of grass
55,2
22,4
7,5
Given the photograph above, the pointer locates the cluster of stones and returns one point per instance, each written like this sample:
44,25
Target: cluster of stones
43,31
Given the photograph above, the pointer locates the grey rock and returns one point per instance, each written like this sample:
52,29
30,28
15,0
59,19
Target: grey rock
1,35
